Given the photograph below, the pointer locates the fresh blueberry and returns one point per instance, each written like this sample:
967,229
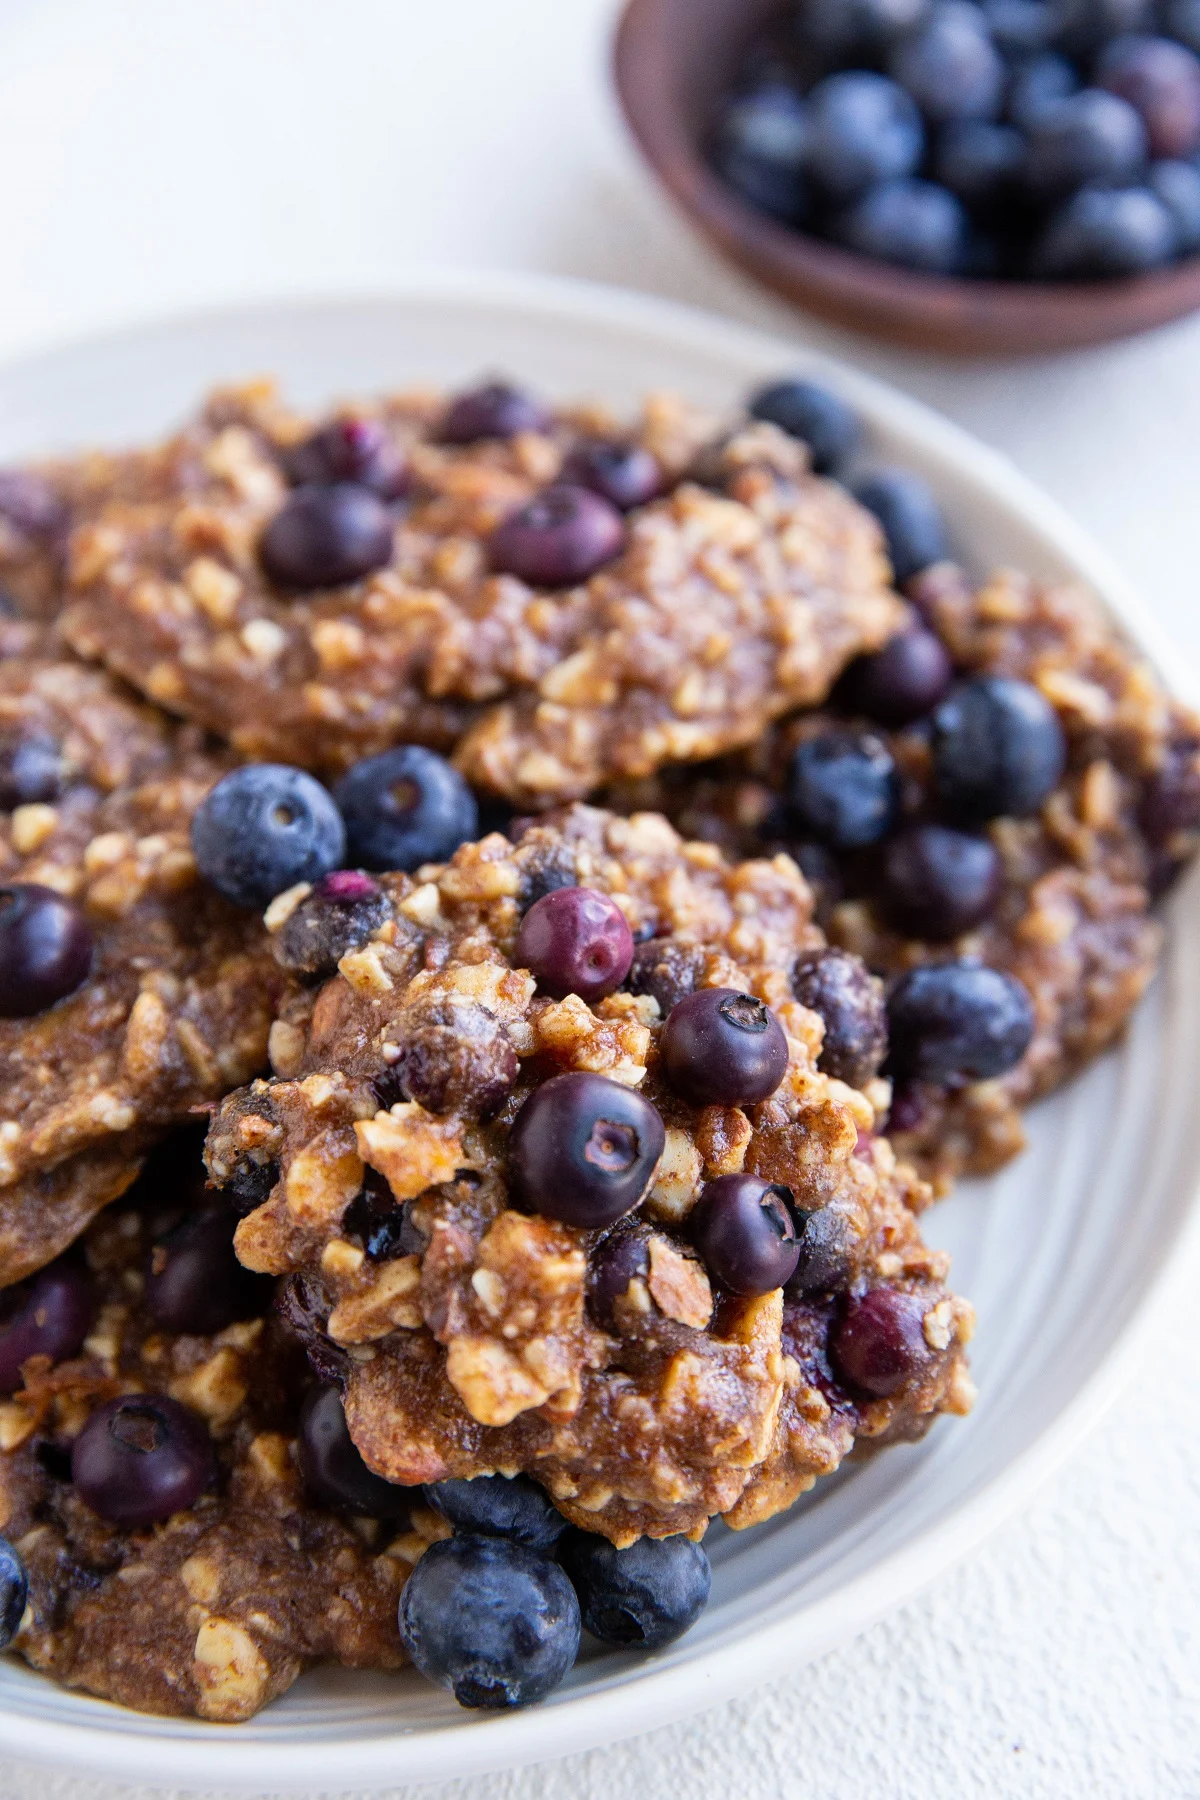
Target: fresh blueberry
324,537
1020,27
14,1593
1106,231
759,151
1038,84
626,475
843,30
264,828
333,1470
575,941
31,770
980,161
584,1149
938,882
350,449
196,1283
839,986
340,914
820,419
913,223
494,1622
745,1230
1177,185
623,1256
901,682
45,949
958,1021
1085,26
843,788
141,1458
502,1506
912,522
820,868
998,750
643,1597
951,67
878,1344
723,1048
48,1316
405,807
1162,81
561,536
1181,19
862,129
495,410
1090,137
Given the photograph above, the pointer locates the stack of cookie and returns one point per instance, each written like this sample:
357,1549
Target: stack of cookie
507,921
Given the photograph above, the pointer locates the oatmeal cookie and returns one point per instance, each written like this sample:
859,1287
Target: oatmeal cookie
215,1610
98,795
483,1315
726,605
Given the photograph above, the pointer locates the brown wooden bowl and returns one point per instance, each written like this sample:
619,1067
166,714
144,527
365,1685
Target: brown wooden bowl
672,59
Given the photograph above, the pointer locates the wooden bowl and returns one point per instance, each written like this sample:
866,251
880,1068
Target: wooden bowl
673,57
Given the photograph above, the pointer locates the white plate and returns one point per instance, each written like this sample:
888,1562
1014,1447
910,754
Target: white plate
1062,1253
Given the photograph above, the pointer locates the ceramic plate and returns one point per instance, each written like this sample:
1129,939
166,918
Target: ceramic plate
1062,1253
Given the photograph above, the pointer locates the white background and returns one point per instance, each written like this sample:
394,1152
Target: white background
159,155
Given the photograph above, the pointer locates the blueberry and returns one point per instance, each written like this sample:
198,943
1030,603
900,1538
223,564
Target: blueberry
901,682
1162,81
842,30
45,949
722,1048
745,1230
584,1149
561,536
1177,185
250,1184
830,1248
913,223
575,941
1020,27
141,1458
958,1021
350,449
839,986
14,1593
405,807
196,1283
1039,84
494,1622
759,151
951,67
998,750
1091,136
1106,231
452,1057
384,1227
843,788
340,914
48,1316
323,537
1181,18
820,419
31,770
862,129
821,870
937,882
503,1506
626,475
912,523
878,1344
495,410
621,1258
264,828
643,1597
1170,803
1085,26
334,1472
980,162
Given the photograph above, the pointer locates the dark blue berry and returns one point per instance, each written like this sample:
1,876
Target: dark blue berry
584,1149
841,30
14,1593
405,807
745,1230
626,475
1177,185
1085,26
843,788
643,1597
495,410
958,1021
938,882
575,941
1020,27
351,449
912,522
494,1622
1170,803
31,770
900,683
723,1048
1181,19
1038,84
500,1506
383,1226
48,1316
264,828
1088,137
333,1470
1161,80
450,1058
980,162
839,986
998,750
561,536
822,420
45,949
951,67
141,1458
196,1283
878,1343
759,151
323,537
340,914
862,129
623,1256
1106,231
913,223
830,1246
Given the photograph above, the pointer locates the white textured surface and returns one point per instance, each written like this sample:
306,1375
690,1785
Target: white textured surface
164,156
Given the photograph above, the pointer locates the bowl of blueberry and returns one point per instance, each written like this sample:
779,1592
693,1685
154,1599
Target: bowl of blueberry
971,176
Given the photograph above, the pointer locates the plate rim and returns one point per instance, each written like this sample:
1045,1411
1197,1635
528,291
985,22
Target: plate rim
658,1696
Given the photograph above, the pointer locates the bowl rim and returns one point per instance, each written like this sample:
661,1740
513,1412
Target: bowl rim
656,1696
